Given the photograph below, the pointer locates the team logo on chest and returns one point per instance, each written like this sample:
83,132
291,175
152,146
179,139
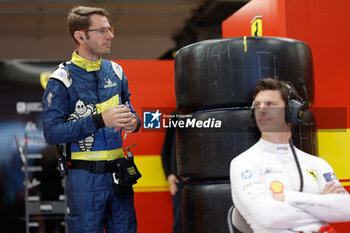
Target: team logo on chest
313,173
270,171
83,110
109,83
330,176
247,174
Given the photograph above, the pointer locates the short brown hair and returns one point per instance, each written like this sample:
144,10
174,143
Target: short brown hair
286,88
79,18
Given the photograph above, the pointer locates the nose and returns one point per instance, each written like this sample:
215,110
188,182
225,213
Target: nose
261,109
110,34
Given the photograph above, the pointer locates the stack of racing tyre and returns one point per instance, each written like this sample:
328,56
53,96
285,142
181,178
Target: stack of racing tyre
214,80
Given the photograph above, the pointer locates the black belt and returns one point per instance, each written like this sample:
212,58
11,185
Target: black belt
94,166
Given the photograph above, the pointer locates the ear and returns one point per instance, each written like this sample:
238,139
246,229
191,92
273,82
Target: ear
78,35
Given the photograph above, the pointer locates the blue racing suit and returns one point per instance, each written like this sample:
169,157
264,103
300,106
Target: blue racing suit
76,94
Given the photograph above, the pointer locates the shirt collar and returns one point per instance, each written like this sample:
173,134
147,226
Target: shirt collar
86,64
274,147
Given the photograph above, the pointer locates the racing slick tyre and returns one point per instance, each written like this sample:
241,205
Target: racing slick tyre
204,152
222,72
205,207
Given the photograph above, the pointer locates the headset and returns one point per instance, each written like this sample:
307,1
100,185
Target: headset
294,107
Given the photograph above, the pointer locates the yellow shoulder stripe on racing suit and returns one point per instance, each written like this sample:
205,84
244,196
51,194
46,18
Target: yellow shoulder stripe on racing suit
105,154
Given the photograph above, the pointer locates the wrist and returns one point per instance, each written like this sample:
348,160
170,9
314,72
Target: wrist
98,121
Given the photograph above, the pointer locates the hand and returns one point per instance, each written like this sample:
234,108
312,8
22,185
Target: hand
334,187
131,125
117,116
172,180
278,196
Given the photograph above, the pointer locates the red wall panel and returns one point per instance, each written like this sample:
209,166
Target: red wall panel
271,11
151,84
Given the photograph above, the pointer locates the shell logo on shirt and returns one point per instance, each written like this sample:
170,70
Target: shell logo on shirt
276,186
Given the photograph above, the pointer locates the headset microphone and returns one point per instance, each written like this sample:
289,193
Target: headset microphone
305,105
297,163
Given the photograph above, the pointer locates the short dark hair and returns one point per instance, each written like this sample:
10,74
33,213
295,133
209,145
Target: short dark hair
286,89
79,18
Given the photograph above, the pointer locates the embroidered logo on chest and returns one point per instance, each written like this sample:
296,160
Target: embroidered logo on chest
247,174
109,83
313,173
330,176
282,148
270,171
83,110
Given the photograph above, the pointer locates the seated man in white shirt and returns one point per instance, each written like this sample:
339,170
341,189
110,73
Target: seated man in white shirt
265,183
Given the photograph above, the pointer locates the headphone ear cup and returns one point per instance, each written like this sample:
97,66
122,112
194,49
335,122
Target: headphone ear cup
294,112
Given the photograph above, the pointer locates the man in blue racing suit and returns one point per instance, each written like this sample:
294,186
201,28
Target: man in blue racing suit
86,105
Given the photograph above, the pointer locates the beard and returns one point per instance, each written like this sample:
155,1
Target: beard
100,49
